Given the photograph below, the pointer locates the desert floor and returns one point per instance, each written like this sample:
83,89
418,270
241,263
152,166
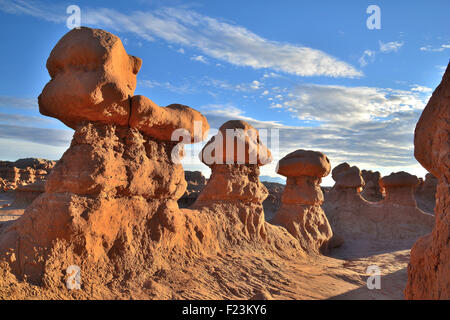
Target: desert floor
236,275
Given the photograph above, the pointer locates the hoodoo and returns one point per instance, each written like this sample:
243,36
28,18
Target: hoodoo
300,212
111,199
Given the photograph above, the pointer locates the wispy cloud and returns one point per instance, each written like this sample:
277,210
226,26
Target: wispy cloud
44,136
19,103
217,39
185,88
201,59
345,105
435,49
392,46
422,89
367,56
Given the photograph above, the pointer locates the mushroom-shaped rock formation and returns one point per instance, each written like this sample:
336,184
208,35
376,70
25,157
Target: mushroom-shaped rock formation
234,156
399,188
93,79
339,169
428,270
112,197
300,212
372,190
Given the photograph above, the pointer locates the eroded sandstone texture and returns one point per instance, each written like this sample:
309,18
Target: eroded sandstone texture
429,268
300,212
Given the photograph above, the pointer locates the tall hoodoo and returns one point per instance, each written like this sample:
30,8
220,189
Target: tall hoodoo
112,197
428,271
234,156
300,212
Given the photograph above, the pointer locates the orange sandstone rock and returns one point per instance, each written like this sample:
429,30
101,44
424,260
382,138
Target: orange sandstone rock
235,187
92,77
300,212
399,188
428,270
237,142
162,122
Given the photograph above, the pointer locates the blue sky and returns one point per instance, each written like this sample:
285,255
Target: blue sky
311,70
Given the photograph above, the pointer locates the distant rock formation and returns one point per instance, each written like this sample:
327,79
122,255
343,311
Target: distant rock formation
196,181
25,195
394,218
273,200
350,215
428,270
300,212
23,172
425,193
371,191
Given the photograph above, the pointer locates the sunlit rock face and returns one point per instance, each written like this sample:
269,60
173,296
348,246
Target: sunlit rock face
300,212
428,270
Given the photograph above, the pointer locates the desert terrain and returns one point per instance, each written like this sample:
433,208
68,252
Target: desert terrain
120,208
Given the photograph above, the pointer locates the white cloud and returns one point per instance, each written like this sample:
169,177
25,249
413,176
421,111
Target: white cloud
422,89
265,92
340,104
255,85
181,50
201,59
435,49
215,38
367,56
181,89
392,46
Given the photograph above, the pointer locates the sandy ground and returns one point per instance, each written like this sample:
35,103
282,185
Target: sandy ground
237,275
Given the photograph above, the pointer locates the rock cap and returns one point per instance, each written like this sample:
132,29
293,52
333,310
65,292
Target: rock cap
237,142
304,163
349,178
399,179
91,78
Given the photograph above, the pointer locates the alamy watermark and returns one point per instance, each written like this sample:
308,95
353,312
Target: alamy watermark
374,280
374,20
74,19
